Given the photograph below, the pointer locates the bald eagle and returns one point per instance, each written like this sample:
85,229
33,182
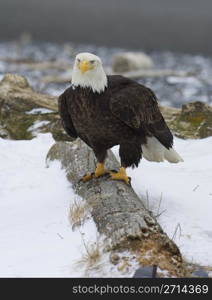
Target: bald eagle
105,111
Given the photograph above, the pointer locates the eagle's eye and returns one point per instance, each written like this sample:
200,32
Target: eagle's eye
92,61
78,60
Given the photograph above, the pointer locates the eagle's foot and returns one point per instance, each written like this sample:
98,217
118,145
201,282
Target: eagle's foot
100,171
121,175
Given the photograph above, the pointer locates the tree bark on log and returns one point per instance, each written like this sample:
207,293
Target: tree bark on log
118,212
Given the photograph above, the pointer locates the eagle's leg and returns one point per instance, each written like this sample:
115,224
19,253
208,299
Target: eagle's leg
130,154
121,175
100,170
100,167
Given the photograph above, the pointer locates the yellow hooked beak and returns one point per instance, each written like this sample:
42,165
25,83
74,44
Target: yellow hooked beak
84,66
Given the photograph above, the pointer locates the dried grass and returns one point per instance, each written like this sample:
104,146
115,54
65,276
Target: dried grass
79,212
92,253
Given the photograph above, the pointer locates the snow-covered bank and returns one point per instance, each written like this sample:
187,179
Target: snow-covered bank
35,235
36,238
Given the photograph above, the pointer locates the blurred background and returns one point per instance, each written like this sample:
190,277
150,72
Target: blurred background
183,25
40,38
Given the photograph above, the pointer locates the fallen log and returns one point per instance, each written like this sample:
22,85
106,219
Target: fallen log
120,215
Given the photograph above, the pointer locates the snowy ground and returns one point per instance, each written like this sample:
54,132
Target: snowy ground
36,238
35,235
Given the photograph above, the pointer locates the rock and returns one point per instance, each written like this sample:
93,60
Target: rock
146,272
114,258
131,61
193,121
4,133
200,273
15,80
58,133
17,103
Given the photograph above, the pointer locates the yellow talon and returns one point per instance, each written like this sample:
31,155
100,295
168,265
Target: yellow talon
100,170
121,175
87,177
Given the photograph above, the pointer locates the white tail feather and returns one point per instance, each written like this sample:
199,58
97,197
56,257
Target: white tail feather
172,156
153,150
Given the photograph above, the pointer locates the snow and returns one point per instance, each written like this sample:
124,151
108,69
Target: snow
36,237
38,124
185,190
39,110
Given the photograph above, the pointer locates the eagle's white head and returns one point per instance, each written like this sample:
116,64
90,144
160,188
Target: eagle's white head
88,72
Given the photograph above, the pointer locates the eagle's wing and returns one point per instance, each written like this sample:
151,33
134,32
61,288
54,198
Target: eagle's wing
136,105
65,116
